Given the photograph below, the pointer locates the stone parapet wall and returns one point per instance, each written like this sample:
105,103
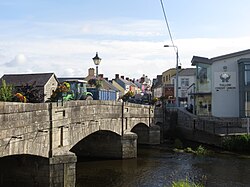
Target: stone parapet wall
47,129
23,128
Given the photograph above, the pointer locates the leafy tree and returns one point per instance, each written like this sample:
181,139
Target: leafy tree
127,95
60,90
32,93
95,82
6,92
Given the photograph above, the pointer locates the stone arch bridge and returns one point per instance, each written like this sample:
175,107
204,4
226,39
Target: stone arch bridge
59,132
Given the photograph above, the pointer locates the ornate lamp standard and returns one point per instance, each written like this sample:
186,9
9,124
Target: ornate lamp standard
177,68
97,61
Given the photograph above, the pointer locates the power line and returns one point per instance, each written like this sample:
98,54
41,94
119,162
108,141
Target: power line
166,20
168,27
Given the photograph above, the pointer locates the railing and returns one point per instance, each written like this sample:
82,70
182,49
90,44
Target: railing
212,125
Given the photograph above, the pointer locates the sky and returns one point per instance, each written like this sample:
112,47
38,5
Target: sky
62,36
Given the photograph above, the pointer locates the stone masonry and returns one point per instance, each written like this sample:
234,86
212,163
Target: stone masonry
51,130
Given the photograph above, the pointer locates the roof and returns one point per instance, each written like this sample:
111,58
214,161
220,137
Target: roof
187,72
63,79
171,69
158,81
120,80
109,85
197,59
230,55
22,79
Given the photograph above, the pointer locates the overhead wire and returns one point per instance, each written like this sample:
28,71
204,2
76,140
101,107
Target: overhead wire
168,27
166,21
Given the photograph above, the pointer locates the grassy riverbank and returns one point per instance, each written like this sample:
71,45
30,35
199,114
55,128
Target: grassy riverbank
185,183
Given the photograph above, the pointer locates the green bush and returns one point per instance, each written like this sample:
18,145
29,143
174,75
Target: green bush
199,150
239,143
6,92
185,183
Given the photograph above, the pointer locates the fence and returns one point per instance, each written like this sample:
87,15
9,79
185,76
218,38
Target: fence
212,125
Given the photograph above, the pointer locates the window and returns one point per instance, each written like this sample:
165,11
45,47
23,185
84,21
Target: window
203,78
184,82
247,104
247,74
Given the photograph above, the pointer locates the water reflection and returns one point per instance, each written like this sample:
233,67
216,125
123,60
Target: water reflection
158,167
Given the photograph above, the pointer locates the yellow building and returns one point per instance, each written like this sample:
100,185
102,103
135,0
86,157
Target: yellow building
166,76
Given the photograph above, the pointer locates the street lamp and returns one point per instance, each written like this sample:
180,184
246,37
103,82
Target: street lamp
97,61
177,68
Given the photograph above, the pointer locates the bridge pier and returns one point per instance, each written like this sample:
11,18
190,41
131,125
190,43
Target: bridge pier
148,135
62,170
154,135
129,145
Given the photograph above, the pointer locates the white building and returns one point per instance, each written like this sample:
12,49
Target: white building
222,87
186,77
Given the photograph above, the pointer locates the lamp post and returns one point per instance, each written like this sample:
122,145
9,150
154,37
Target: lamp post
97,61
177,72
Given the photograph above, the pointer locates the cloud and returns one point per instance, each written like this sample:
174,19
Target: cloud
130,58
136,28
128,48
19,60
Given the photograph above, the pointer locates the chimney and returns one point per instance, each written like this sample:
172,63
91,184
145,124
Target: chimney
91,72
116,76
122,77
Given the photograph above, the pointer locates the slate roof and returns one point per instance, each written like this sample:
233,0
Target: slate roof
109,86
197,59
22,79
122,82
187,72
158,82
230,55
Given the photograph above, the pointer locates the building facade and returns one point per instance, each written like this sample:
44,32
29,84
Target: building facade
46,83
223,85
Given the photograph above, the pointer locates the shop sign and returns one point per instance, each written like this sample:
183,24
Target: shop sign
225,80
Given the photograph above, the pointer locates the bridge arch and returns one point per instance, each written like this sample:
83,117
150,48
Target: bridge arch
142,131
102,143
52,130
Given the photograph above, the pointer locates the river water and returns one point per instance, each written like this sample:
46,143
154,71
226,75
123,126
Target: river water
157,166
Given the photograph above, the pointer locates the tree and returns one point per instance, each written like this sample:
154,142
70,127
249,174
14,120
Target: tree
6,92
60,90
32,93
128,95
95,82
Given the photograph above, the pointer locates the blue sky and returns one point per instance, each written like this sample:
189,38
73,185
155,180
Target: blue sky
63,36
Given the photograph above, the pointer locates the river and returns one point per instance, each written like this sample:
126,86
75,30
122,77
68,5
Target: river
157,166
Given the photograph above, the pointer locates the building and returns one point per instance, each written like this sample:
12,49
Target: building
46,83
166,76
146,84
107,85
222,87
157,87
121,84
186,77
91,74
